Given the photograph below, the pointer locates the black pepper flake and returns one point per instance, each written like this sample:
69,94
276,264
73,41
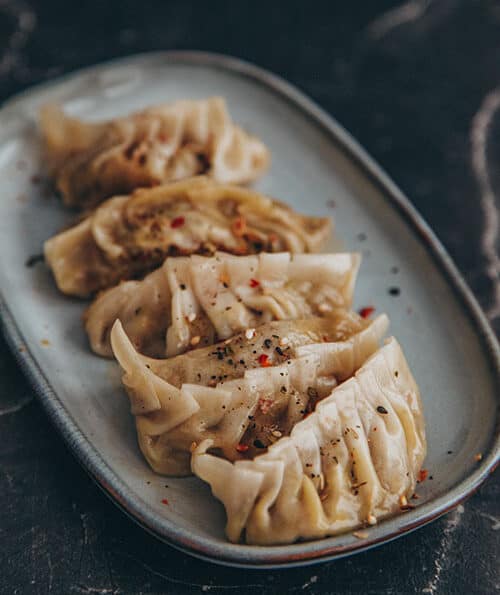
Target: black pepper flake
182,286
449,452
242,362
220,355
259,444
382,410
394,291
396,373
279,351
35,259
283,389
268,343
275,336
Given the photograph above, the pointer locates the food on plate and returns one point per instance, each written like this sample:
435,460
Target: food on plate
94,161
242,393
353,461
196,301
128,236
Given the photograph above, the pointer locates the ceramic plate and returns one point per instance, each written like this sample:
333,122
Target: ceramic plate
316,164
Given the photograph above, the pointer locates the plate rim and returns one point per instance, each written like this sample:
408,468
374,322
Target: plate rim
115,488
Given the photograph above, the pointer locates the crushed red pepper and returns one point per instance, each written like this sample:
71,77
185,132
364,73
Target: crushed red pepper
264,360
164,501
239,226
242,447
366,312
422,475
254,283
177,222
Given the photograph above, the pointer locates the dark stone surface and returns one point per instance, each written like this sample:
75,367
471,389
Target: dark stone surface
408,80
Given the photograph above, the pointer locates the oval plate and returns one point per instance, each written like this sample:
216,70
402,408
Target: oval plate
316,166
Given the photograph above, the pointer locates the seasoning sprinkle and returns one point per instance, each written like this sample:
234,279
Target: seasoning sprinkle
382,410
264,360
478,457
177,222
254,283
242,447
366,312
164,501
422,475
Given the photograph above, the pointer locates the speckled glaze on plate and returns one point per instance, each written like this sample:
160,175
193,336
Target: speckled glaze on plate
316,164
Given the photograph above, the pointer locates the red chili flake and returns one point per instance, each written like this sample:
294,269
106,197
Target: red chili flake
265,405
164,501
367,311
254,283
264,360
239,226
422,475
177,222
242,447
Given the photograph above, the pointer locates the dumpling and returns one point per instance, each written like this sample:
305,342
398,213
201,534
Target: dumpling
241,393
353,461
93,161
195,301
128,236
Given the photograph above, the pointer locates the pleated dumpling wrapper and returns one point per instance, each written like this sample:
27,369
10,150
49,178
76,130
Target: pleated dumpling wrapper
196,301
128,236
353,461
93,161
242,393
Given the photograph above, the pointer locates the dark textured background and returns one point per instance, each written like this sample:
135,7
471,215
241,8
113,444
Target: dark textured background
418,85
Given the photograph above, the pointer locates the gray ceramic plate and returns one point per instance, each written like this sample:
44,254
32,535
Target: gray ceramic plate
449,345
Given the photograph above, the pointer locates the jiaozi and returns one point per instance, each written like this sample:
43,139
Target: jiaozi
196,301
128,236
241,393
353,461
94,161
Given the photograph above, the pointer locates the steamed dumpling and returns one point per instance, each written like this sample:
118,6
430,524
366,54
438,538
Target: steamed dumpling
128,236
93,161
195,301
354,460
241,393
